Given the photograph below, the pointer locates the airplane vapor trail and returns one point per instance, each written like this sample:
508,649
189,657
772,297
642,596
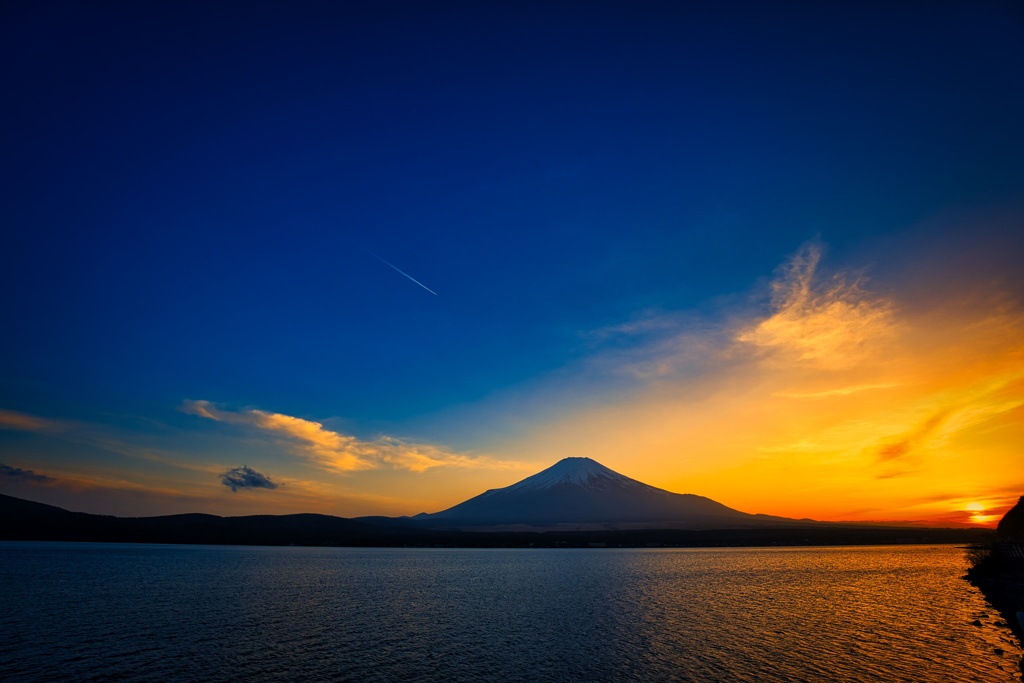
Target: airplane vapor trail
400,271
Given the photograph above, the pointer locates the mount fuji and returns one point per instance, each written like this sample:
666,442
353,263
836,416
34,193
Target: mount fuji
583,492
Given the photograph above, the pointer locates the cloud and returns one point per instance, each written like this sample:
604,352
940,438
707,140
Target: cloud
10,419
336,451
840,391
245,477
827,323
972,407
817,321
17,474
901,446
343,452
648,323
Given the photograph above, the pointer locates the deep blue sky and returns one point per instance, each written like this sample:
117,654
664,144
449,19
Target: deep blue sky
188,188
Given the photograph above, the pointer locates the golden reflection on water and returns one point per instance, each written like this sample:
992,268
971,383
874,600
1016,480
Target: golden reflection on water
95,611
856,614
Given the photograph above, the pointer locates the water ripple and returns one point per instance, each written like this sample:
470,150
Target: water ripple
92,612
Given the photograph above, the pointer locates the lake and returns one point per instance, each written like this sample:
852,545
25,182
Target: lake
219,613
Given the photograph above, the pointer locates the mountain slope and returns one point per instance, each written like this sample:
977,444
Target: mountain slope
583,491
1012,523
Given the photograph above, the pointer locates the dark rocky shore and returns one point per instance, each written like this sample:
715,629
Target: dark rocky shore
998,571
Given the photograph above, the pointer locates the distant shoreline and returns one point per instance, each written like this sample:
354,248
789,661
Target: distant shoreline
596,546
22,520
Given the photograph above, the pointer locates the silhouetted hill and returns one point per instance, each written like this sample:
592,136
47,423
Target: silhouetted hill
25,520
1012,523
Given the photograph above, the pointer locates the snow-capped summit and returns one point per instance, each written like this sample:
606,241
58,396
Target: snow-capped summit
583,491
578,471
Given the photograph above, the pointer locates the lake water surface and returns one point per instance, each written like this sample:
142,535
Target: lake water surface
216,613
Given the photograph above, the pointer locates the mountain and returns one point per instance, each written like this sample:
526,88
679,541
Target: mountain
581,491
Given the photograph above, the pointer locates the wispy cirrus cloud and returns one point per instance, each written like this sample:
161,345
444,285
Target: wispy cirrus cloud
838,391
949,417
906,446
12,419
817,321
830,323
343,452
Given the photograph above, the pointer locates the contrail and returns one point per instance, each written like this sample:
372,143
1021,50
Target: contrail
400,271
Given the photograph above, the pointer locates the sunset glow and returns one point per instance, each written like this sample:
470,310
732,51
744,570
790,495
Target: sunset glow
774,262
836,403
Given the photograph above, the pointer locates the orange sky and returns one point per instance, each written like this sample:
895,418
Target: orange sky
842,404
837,402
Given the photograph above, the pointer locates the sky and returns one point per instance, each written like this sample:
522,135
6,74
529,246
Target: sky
376,258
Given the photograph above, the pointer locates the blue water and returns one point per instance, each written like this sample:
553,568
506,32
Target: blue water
214,613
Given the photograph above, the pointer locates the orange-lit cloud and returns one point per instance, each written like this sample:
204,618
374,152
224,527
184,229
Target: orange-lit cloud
905,443
331,449
830,324
342,452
